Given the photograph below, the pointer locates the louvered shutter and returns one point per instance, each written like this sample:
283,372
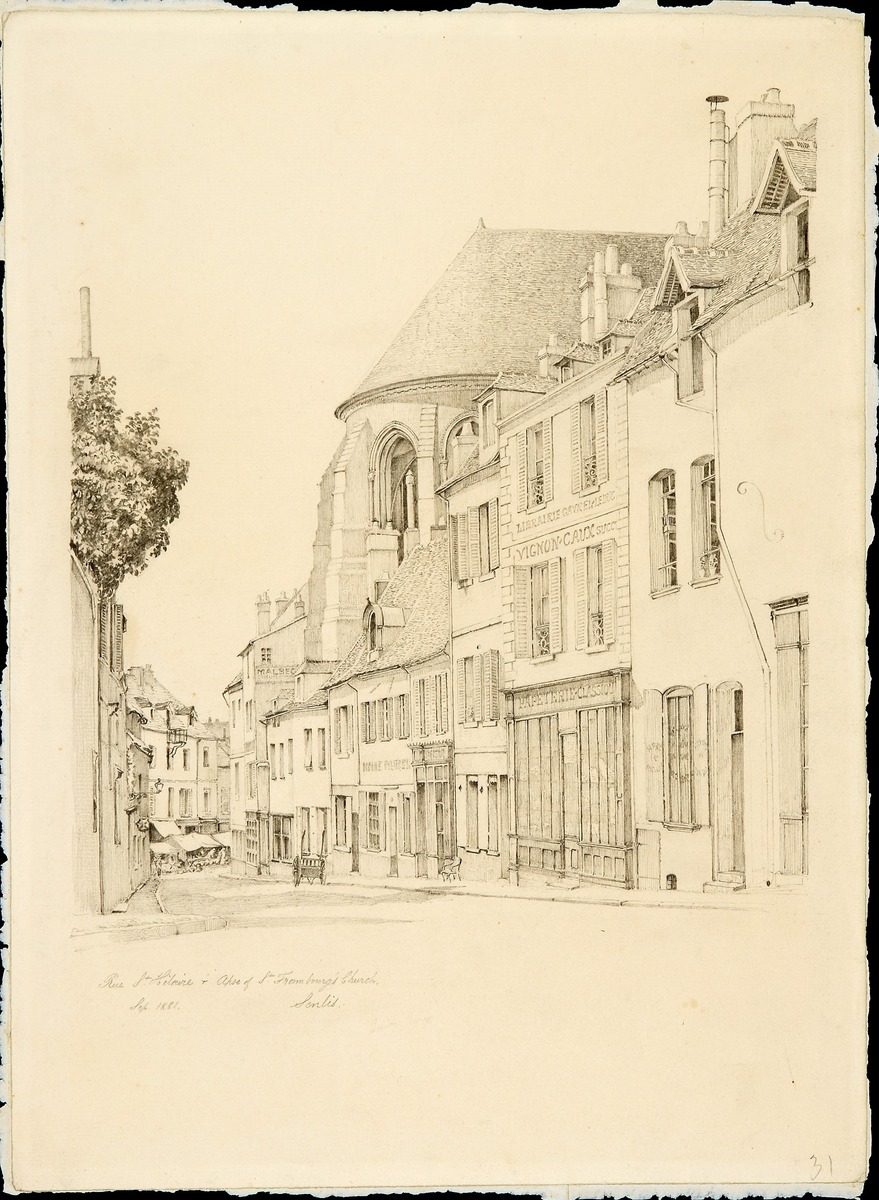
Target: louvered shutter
581,600
494,556
364,820
417,710
462,693
701,785
432,705
118,630
463,539
382,820
473,540
364,725
491,684
522,470
453,548
653,745
576,458
547,460
555,605
105,630
478,698
337,731
522,611
601,455
609,600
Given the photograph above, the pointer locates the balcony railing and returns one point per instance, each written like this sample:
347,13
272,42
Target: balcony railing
590,471
596,629
709,565
541,641
536,491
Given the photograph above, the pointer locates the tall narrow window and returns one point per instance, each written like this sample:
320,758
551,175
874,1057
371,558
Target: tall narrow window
309,761
588,456
489,423
322,749
689,376
540,610
596,585
281,772
535,465
385,726
492,785
402,716
790,620
679,807
373,823
472,813
663,532
706,543
797,254
273,760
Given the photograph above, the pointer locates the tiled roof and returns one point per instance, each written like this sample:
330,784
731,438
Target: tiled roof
421,588
703,268
751,245
579,352
285,703
504,293
519,381
802,156
234,682
808,132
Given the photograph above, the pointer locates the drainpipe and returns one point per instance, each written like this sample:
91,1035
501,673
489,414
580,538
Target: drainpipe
749,615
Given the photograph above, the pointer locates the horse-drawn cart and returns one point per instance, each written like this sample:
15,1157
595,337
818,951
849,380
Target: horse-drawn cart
311,867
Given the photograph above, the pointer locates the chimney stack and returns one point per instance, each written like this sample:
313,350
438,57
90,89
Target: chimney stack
298,607
600,285
263,613
611,260
282,603
758,125
716,166
85,316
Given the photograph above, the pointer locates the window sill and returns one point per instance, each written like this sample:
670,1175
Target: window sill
668,591
596,649
679,827
488,575
701,583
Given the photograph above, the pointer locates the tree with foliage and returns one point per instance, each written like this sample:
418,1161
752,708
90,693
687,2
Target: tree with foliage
125,485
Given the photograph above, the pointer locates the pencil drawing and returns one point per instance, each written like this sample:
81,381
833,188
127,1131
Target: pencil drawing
578,461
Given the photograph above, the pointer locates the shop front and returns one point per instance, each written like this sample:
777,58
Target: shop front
572,809
435,829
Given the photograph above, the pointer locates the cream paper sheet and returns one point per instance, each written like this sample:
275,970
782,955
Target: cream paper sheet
604,1049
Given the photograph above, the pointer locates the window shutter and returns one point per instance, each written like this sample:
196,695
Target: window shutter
432,700
494,556
490,682
364,820
653,741
463,544
118,630
701,788
576,460
522,611
363,723
105,630
555,605
522,465
657,543
453,548
609,573
417,715
337,731
581,599
547,460
382,820
601,455
473,526
478,697
462,693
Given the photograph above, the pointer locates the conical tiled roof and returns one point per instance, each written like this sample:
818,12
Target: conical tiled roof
500,298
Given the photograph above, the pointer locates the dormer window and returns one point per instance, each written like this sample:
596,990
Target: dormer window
489,422
606,347
564,370
378,587
796,255
689,380
373,634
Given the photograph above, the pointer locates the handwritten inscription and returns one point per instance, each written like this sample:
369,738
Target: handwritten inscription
162,991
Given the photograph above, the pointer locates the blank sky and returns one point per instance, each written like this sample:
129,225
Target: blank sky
258,201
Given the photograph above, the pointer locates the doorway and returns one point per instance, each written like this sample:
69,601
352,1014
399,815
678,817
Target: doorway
729,817
440,835
355,842
393,850
420,830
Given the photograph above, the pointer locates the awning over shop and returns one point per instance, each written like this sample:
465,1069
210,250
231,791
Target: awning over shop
195,841
225,839
165,829
162,848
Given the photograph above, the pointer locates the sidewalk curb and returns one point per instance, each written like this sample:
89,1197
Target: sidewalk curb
148,932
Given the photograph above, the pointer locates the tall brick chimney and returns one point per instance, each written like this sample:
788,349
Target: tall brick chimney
716,166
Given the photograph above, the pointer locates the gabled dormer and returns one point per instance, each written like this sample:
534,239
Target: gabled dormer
786,190
381,626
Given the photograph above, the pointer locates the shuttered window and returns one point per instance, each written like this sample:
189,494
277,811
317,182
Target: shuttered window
689,375
402,716
534,451
662,514
791,625
595,595
589,443
706,541
475,542
118,631
479,687
538,609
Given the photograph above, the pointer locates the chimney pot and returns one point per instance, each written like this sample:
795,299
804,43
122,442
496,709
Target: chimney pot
626,269
771,96
717,137
682,229
612,259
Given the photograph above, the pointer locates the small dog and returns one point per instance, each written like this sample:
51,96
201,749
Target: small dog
451,869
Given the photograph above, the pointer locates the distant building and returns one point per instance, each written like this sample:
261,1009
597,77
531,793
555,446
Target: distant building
188,758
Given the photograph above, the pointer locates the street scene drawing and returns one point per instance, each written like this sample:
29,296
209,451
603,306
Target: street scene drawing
499,673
